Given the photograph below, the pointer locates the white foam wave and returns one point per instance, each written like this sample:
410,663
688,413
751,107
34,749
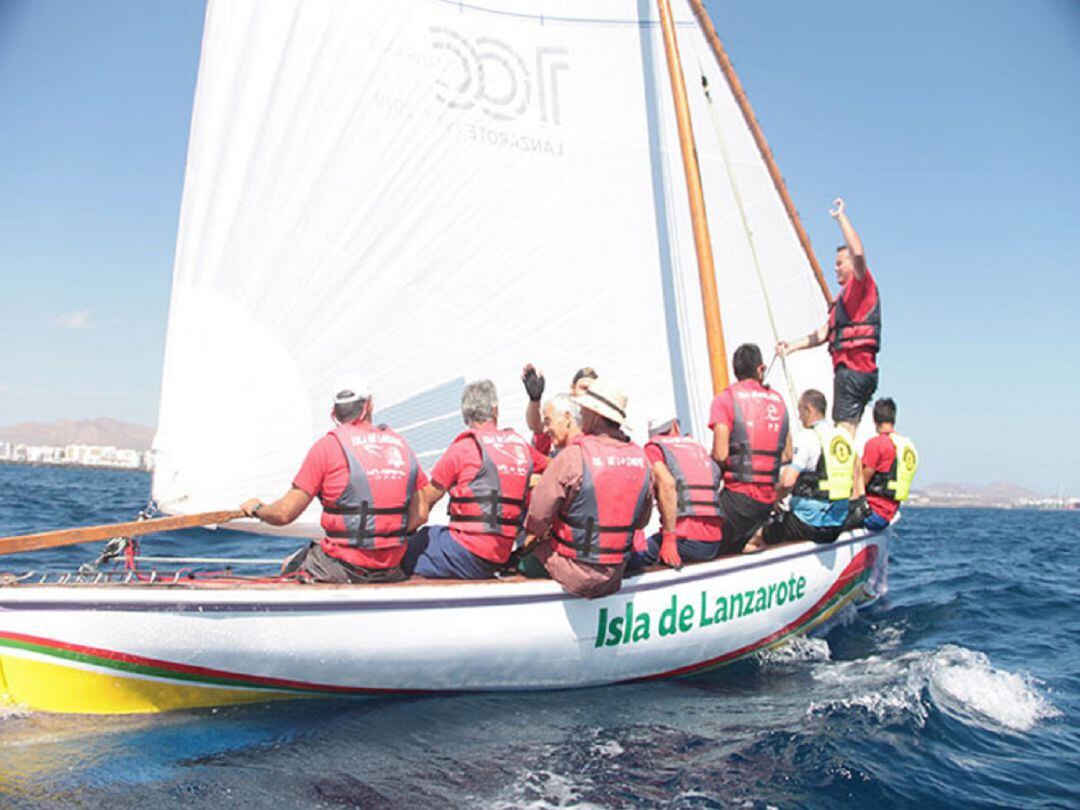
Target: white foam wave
543,790
800,648
957,681
888,636
964,685
8,712
607,749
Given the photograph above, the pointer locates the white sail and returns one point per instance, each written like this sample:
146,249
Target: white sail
425,192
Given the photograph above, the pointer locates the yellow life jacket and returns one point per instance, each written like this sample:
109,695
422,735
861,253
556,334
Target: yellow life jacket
896,483
834,477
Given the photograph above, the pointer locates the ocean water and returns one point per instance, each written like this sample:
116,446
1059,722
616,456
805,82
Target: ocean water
960,688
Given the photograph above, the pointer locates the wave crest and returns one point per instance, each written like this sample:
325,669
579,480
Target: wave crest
954,680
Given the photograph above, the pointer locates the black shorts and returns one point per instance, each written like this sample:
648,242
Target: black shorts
742,517
785,527
852,391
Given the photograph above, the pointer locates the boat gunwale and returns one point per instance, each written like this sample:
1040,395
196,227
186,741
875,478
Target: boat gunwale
190,596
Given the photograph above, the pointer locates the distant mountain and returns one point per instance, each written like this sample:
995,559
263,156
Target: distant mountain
101,431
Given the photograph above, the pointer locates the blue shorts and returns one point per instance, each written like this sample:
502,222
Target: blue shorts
690,550
875,522
434,553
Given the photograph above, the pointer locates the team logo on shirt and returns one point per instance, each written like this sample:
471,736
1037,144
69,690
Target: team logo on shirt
840,449
908,458
394,457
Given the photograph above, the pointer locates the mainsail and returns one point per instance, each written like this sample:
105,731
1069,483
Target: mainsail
425,192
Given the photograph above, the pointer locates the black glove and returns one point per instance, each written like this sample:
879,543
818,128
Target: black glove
534,384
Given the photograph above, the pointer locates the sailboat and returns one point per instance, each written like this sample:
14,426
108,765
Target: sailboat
426,192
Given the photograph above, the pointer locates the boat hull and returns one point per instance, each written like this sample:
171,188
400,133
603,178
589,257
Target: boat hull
106,649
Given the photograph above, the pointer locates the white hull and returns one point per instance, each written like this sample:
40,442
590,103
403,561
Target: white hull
124,648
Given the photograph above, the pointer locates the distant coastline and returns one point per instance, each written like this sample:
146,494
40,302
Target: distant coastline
1070,505
7,462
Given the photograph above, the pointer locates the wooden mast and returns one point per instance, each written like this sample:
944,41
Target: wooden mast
759,137
714,328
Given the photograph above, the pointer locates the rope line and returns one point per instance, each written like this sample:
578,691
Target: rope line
714,115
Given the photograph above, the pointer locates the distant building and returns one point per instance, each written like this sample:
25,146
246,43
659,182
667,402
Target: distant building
80,455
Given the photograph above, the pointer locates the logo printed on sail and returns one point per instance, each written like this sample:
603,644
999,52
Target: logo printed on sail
489,75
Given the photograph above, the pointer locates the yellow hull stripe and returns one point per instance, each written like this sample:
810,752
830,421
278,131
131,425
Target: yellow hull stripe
52,687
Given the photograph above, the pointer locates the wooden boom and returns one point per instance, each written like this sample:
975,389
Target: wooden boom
91,534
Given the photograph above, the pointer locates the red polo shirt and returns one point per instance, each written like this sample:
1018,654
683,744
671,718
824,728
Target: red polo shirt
858,297
461,462
879,454
325,474
722,412
692,527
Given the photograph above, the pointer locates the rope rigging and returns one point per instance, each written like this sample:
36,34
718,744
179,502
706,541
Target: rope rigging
721,141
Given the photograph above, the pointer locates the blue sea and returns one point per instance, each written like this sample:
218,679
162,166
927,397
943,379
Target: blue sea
961,687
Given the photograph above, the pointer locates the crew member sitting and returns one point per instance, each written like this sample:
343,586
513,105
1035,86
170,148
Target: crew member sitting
486,471
888,466
820,479
534,387
686,482
750,441
562,420
366,478
590,501
853,330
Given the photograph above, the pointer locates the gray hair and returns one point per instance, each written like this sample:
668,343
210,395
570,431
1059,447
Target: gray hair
564,403
346,412
478,402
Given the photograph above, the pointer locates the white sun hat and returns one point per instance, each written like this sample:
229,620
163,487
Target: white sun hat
350,389
606,399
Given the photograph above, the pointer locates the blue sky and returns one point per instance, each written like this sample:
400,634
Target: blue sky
953,130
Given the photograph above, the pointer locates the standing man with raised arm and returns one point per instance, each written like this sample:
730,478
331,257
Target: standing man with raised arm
853,330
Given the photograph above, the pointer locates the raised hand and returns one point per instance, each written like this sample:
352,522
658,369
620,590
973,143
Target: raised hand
533,381
782,348
837,210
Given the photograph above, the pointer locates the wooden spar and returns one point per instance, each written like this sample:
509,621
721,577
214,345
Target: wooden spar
710,302
91,534
759,137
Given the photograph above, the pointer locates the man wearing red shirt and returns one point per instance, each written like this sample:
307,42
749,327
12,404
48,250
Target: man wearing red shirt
853,330
380,472
879,465
487,472
751,440
686,483
534,387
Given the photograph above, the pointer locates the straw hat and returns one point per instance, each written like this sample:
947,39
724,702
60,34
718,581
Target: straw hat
605,399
